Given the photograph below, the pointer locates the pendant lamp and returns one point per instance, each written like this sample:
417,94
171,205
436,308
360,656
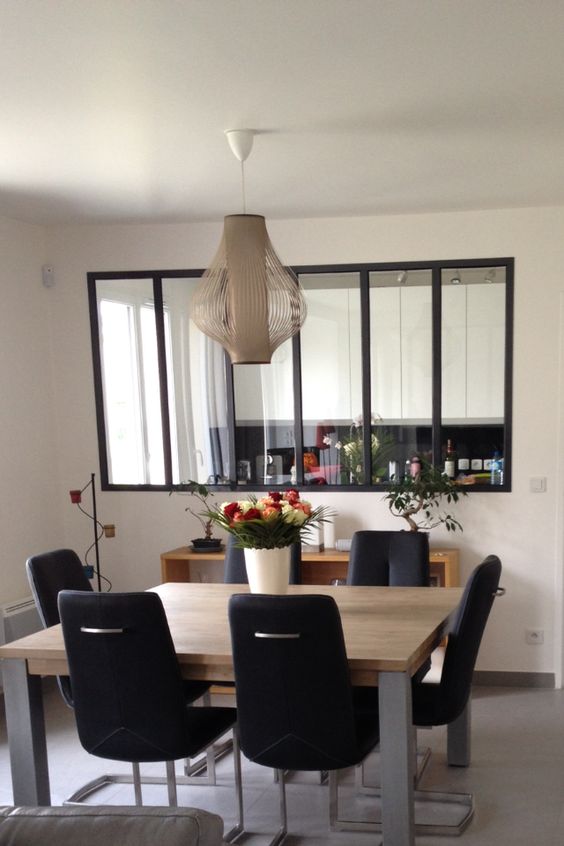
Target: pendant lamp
247,300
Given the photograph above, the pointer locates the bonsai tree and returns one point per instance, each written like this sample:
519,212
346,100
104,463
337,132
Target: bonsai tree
418,499
202,494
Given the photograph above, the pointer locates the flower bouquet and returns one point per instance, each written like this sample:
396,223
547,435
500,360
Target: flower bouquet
352,451
272,522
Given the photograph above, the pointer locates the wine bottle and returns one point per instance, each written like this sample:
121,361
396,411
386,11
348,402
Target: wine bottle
496,470
450,460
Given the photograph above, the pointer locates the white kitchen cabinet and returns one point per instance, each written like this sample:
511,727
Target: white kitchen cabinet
486,351
331,355
473,351
401,352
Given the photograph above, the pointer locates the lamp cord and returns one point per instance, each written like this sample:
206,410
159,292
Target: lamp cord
243,188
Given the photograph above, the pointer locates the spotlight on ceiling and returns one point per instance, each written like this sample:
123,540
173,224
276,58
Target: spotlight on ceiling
490,275
401,278
455,278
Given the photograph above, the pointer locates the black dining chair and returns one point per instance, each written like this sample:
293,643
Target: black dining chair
128,691
235,572
61,569
48,573
443,703
381,557
294,697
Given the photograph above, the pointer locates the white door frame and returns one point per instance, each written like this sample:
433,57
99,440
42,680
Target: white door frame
559,533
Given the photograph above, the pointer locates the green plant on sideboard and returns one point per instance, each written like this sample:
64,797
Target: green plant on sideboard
420,498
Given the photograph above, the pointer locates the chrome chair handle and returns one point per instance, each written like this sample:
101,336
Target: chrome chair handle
101,631
276,636
500,591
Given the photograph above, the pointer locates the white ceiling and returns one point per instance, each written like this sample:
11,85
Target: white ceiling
114,110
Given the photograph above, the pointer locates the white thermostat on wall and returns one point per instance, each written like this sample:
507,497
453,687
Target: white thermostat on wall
48,275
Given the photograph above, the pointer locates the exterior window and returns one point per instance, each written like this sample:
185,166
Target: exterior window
130,375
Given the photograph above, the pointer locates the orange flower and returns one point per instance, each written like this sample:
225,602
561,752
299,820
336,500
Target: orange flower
270,512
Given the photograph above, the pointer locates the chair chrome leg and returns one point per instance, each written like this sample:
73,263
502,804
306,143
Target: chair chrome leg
283,830
171,784
137,783
334,799
239,827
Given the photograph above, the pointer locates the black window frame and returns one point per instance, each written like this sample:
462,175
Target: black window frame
364,270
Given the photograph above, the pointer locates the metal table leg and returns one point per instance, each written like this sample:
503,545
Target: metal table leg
397,757
26,734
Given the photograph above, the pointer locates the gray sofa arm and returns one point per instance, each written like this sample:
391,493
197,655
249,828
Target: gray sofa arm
90,825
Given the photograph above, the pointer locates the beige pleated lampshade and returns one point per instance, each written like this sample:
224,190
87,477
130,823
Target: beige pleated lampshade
247,300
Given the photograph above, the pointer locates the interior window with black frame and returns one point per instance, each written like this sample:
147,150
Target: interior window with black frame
394,361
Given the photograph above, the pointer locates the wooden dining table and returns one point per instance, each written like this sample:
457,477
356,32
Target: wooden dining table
389,633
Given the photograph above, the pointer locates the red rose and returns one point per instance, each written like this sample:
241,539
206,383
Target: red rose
252,514
275,496
231,510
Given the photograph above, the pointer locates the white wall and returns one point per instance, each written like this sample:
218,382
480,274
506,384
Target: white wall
29,488
520,527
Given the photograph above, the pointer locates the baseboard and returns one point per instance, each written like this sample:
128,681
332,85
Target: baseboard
496,678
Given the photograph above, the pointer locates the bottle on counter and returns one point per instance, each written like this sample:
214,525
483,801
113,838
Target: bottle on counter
463,464
450,460
496,469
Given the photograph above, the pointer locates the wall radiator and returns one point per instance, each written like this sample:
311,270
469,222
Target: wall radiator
18,619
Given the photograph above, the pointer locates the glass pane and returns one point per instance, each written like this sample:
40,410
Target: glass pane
128,354
401,370
197,392
264,420
473,369
331,364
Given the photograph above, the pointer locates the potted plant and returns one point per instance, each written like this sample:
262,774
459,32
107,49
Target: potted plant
202,494
419,498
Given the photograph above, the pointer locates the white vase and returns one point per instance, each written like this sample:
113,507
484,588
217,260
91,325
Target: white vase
268,570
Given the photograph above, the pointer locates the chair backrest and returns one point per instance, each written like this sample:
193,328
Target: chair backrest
127,687
235,572
409,559
294,700
51,572
465,636
399,559
369,558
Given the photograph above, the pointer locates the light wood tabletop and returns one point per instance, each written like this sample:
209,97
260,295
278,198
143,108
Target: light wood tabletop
386,629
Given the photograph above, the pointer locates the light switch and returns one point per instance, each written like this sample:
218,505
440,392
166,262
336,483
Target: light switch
537,484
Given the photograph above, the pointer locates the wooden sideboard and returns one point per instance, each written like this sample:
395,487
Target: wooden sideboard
318,568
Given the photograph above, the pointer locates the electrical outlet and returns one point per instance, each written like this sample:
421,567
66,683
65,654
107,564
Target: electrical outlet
534,636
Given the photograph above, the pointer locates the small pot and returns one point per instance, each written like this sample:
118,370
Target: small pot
206,543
